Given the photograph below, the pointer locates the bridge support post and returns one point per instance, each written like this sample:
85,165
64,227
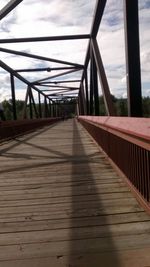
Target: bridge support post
40,109
45,107
34,105
81,101
95,85
83,98
13,96
30,104
86,92
91,88
50,108
133,74
54,115
103,79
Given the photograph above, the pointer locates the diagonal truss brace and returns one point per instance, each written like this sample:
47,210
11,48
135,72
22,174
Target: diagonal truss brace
38,57
9,7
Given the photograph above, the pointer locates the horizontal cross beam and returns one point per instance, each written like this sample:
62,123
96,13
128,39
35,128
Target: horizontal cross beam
57,82
46,38
63,87
48,69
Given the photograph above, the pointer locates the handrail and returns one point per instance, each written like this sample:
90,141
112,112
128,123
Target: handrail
126,141
137,128
11,129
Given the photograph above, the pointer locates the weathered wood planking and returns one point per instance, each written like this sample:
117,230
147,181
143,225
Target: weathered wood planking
62,204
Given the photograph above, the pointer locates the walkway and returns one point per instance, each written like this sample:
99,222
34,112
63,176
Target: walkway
62,204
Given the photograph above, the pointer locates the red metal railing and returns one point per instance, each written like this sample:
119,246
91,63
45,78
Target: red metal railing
126,141
9,129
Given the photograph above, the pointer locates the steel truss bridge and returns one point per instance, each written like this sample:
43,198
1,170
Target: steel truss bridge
75,192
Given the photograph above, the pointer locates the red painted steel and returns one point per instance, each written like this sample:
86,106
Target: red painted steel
10,129
126,141
137,127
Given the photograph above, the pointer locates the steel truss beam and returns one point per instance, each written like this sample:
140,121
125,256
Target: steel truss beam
63,87
102,76
133,58
48,69
14,52
99,10
57,82
66,91
46,38
55,76
17,75
9,7
53,90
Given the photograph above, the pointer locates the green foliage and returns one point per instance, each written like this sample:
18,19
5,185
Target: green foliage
146,106
121,107
67,107
8,108
102,106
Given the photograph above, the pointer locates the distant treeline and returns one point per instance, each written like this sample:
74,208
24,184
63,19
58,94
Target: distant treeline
121,106
69,107
65,108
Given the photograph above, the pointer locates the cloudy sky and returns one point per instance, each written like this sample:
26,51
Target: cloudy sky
64,17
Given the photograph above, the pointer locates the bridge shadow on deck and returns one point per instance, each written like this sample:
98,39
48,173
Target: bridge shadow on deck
90,247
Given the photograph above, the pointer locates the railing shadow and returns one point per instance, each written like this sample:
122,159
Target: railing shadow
25,137
89,246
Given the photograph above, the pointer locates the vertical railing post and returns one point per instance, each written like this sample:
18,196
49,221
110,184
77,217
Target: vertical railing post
83,98
56,108
45,107
77,109
81,103
133,58
40,109
50,111
54,113
13,97
24,113
86,92
30,104
34,105
95,87
91,87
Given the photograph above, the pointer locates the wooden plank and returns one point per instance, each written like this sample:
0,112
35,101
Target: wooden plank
126,258
105,199
62,204
46,223
76,247
83,233
77,198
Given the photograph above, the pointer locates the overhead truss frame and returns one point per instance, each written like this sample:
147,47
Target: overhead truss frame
88,93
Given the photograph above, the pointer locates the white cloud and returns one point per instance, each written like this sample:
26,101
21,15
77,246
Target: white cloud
57,17
112,45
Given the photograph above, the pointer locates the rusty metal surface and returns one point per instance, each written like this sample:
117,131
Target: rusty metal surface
132,159
135,127
10,129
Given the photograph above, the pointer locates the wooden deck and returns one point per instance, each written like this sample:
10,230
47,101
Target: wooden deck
62,204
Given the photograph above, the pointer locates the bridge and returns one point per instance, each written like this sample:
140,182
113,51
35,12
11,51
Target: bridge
75,191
